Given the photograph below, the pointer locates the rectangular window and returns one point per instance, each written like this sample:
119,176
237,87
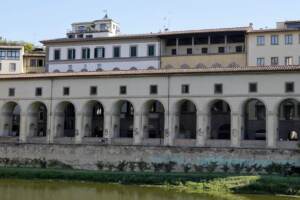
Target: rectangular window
260,61
71,54
288,60
274,40
252,87
40,63
218,88
204,50
260,40
189,51
33,62
123,90
151,50
133,51
289,87
38,91
274,60
239,49
66,91
221,49
116,52
93,90
12,67
185,89
11,92
85,53
174,52
2,54
153,89
57,54
100,52
13,54
288,39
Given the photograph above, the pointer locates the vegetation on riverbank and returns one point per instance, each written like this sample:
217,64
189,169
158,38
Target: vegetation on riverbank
200,183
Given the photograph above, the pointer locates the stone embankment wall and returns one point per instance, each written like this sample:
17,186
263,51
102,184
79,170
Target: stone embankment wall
149,158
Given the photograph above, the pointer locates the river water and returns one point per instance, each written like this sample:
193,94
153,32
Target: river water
60,190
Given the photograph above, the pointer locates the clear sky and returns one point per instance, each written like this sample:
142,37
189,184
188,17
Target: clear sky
35,20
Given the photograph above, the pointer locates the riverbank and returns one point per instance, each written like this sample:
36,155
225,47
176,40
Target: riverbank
200,183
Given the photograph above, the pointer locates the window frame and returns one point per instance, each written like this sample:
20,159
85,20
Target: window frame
11,92
73,54
136,51
185,89
119,51
251,89
66,91
276,40
289,90
38,91
148,50
260,40
96,52
218,86
59,54
155,87
123,90
85,55
93,90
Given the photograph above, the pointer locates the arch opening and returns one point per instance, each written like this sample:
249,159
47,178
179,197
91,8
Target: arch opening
123,119
187,120
154,120
220,120
93,119
254,120
37,120
289,120
65,120
11,120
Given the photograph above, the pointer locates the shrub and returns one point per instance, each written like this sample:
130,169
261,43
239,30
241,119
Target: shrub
238,167
199,168
132,166
142,166
187,168
169,167
211,167
122,166
225,168
157,166
100,165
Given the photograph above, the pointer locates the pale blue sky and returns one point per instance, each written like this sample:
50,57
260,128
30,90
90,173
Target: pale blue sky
35,20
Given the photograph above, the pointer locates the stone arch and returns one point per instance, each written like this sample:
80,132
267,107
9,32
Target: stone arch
169,67
65,119
56,71
216,65
233,65
289,120
185,66
93,119
220,120
99,69
123,118
11,116
200,66
254,112
37,119
133,68
153,117
116,69
84,70
151,68
186,123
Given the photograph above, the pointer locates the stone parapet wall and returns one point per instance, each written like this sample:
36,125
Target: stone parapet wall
89,156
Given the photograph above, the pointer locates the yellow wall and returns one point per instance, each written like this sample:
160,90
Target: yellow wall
208,60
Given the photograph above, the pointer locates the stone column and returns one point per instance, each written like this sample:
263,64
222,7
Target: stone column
79,128
52,130
271,129
174,128
235,130
108,131
201,129
23,127
166,130
137,129
177,46
226,47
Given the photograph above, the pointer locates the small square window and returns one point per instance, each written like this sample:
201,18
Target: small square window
38,91
204,50
153,89
289,87
133,51
151,50
221,49
174,52
252,87
66,91
189,51
218,88
260,40
185,89
274,60
117,52
11,92
93,90
12,67
123,90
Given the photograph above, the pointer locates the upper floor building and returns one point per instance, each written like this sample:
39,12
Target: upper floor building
11,59
276,46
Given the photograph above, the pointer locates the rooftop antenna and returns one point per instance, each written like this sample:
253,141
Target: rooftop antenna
105,13
167,22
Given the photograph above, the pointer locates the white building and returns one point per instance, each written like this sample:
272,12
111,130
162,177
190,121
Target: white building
11,59
278,46
96,46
